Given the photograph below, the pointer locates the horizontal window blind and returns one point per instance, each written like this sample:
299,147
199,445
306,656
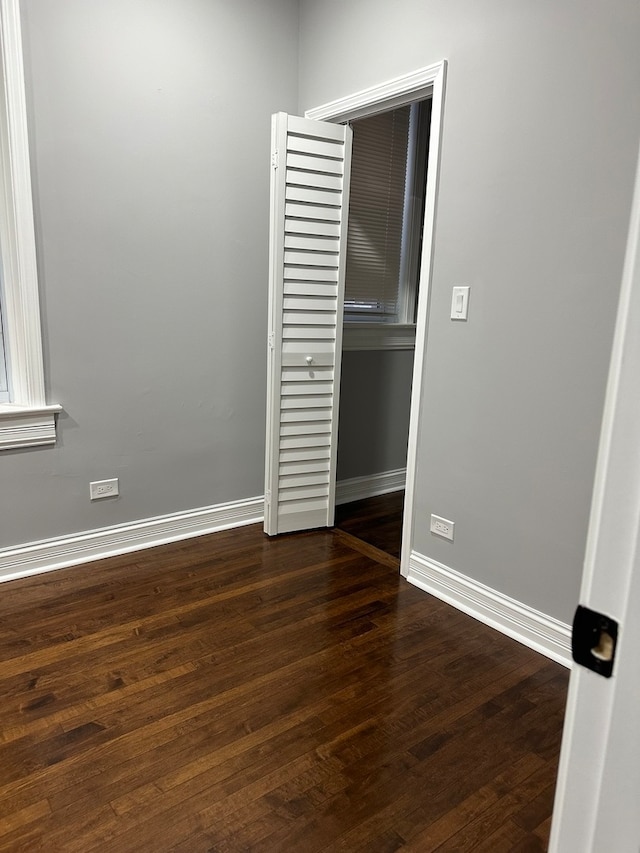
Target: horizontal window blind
374,242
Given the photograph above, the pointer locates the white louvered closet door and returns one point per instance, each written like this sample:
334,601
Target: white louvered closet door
309,208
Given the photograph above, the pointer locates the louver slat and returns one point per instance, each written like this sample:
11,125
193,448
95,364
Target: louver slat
309,203
301,211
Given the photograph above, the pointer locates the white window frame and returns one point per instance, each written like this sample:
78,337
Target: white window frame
26,421
408,89
4,390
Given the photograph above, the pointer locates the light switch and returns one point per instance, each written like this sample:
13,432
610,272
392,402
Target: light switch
460,303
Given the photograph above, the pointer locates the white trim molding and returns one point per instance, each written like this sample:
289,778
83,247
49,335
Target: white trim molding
63,551
378,336
359,488
536,630
27,427
21,308
415,86
60,552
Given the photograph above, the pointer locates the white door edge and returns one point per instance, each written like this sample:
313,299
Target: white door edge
595,796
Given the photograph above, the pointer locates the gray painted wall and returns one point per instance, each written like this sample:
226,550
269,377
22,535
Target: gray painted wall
150,137
150,142
541,129
375,398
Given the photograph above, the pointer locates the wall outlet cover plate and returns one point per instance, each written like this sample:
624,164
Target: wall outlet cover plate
103,489
442,527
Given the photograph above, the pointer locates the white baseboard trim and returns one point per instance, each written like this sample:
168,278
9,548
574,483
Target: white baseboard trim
519,621
62,551
359,488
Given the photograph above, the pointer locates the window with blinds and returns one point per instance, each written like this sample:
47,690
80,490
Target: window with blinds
386,211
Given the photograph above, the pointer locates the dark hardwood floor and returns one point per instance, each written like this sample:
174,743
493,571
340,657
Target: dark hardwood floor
234,693
376,521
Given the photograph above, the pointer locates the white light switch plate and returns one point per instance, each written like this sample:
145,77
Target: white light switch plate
460,302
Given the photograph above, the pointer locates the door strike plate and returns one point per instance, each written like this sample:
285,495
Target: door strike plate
593,640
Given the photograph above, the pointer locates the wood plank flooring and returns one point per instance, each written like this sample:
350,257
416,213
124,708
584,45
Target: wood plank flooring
376,521
234,693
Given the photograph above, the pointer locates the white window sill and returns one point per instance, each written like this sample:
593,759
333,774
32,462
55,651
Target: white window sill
378,336
27,426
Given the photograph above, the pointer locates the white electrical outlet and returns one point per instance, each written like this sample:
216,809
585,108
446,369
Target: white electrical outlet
442,527
103,489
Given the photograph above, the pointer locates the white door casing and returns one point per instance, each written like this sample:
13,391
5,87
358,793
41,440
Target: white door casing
309,210
597,804
428,82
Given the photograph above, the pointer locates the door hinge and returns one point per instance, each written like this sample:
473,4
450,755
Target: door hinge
275,159
271,338
267,496
593,640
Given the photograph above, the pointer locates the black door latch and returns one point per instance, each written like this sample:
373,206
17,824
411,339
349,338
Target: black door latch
593,640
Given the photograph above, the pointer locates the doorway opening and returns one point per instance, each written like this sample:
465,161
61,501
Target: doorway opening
425,83
384,244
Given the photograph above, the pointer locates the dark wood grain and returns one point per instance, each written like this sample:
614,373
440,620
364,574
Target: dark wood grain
377,521
235,693
367,550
